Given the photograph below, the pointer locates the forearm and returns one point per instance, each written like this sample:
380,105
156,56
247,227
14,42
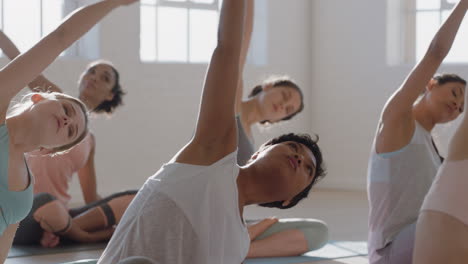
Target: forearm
80,21
257,229
8,47
231,25
77,234
248,29
443,40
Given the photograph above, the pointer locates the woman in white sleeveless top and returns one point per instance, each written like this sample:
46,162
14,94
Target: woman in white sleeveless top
404,160
191,210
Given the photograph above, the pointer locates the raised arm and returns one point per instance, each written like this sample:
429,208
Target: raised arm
248,29
8,47
27,66
216,131
400,104
41,83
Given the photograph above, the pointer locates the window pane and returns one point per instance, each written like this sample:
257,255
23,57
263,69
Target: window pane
172,34
22,24
453,1
427,24
203,29
458,52
203,1
176,0
52,15
148,2
148,33
427,4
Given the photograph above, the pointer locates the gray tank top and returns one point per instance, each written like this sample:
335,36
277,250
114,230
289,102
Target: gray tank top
397,184
245,147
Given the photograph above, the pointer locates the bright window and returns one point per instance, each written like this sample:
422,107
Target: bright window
430,14
413,23
26,21
178,30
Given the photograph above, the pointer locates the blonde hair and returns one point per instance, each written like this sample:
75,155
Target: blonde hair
26,103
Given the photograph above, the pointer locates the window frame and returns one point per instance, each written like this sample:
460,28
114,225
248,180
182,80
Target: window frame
87,47
402,30
188,5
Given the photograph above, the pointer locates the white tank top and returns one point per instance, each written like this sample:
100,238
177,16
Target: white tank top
184,214
397,183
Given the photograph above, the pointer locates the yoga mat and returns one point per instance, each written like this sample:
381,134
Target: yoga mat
84,261
332,250
23,251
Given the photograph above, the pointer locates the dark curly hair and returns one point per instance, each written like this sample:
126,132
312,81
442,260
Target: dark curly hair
109,106
320,171
279,82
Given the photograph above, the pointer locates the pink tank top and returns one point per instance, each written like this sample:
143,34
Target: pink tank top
54,173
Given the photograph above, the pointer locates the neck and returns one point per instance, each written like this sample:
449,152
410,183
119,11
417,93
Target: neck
250,190
250,111
21,138
422,114
89,103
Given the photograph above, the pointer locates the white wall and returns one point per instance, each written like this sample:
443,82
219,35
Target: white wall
162,101
351,81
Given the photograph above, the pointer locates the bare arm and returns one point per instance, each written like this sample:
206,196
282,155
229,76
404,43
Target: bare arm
397,115
41,83
8,47
216,133
6,239
258,228
77,234
87,176
27,66
248,29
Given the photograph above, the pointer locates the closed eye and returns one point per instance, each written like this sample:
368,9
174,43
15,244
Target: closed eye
65,109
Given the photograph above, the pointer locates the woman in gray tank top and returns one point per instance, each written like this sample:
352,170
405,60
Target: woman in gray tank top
404,160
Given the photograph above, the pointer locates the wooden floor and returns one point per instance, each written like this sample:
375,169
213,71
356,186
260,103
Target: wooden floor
344,212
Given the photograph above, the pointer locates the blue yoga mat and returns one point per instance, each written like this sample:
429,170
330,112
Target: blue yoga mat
23,251
332,250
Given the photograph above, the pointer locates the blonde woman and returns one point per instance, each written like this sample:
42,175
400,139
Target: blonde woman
58,121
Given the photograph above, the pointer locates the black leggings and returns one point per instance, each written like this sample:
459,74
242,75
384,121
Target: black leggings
30,231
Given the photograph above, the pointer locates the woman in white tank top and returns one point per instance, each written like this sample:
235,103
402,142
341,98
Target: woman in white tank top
403,160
